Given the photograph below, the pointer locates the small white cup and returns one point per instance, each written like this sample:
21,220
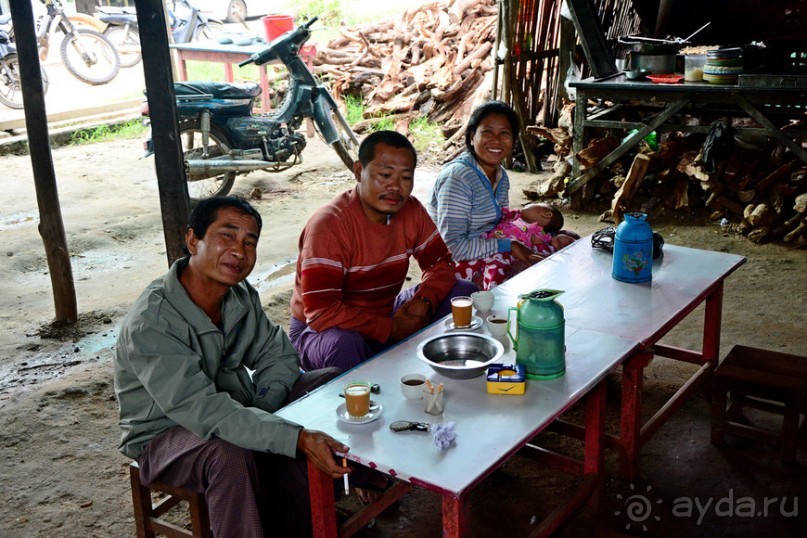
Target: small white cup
412,386
483,300
497,325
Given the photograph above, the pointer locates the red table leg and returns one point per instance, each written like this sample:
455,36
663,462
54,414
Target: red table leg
455,517
182,67
712,324
264,81
323,505
594,456
630,420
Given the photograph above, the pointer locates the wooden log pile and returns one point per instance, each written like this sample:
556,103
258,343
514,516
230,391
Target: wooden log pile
431,62
758,190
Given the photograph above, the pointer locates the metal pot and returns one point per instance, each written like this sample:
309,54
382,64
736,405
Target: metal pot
652,63
651,55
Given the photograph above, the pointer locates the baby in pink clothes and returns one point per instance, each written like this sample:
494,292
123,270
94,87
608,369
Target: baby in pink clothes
533,227
537,226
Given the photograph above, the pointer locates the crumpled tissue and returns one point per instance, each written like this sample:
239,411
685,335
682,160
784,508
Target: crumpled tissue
444,435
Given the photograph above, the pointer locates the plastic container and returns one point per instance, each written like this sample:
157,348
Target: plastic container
277,25
693,67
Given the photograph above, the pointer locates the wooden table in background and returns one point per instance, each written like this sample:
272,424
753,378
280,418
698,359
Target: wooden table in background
770,107
230,55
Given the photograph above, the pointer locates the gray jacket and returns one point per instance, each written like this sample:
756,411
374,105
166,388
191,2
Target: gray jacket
174,367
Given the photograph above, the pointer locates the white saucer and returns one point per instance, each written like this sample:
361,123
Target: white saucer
375,412
476,322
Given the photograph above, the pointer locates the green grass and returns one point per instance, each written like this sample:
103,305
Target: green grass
425,134
215,72
102,133
355,109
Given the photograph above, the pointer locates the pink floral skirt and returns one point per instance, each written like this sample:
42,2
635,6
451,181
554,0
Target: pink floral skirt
487,273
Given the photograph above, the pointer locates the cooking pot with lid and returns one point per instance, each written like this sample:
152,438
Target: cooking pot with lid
651,55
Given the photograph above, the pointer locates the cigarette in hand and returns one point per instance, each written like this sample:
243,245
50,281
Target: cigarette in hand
344,477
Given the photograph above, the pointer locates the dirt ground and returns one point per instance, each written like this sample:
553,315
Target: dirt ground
61,472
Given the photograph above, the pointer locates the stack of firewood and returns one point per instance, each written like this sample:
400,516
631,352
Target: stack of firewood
429,63
756,189
761,193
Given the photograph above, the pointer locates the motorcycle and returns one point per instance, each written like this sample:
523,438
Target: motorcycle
222,138
10,87
188,24
88,55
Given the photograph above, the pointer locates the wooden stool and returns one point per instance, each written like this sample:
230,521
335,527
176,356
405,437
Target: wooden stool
148,517
764,380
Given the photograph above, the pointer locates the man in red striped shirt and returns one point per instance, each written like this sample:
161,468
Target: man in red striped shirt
354,256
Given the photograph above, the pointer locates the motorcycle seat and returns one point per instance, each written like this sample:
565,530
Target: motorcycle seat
219,90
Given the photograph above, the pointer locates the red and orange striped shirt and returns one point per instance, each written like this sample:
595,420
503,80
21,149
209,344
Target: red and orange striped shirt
350,269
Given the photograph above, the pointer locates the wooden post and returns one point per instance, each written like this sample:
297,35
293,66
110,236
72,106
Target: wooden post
171,180
589,30
51,227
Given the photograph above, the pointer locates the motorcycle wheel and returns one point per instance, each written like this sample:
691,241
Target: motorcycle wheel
205,184
347,147
90,57
127,43
10,87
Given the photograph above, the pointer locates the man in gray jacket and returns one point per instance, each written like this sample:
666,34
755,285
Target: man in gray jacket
199,370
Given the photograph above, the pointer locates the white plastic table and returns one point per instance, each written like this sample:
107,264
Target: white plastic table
683,279
608,323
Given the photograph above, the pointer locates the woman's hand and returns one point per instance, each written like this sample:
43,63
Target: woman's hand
524,254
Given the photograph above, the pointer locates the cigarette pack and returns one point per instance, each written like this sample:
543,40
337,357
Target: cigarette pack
507,379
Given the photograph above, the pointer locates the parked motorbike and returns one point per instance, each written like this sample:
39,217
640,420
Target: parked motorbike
222,138
122,30
10,87
188,24
88,55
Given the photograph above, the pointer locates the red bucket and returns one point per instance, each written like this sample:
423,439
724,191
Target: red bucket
277,25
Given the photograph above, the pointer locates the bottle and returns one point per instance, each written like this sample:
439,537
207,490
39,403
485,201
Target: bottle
633,250
540,345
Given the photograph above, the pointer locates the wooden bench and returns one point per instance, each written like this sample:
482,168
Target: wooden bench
148,516
765,380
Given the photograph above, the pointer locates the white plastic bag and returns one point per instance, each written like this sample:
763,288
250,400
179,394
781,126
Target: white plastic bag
573,74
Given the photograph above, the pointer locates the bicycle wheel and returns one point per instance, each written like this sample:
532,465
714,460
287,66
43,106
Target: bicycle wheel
90,57
205,184
127,43
209,31
347,147
10,87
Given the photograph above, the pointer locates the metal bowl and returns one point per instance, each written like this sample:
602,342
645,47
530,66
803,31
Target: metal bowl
636,74
460,355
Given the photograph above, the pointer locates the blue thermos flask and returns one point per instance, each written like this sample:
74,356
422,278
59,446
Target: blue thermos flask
633,249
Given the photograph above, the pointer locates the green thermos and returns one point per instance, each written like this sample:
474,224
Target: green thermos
540,345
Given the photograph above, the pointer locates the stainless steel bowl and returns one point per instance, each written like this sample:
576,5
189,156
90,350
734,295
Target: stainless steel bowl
460,355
